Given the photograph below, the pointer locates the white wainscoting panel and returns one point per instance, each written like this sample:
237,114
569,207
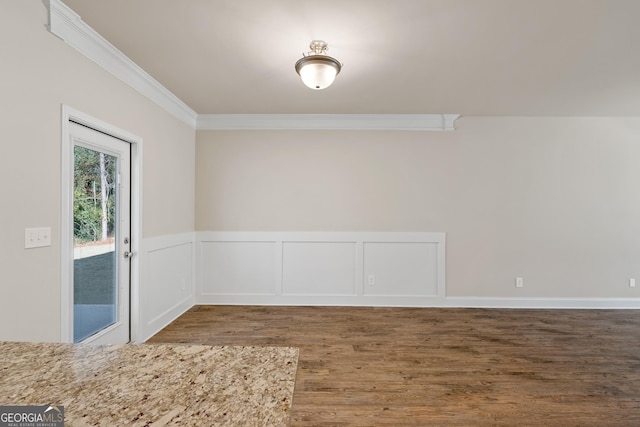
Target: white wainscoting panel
320,268
238,268
393,268
167,286
306,268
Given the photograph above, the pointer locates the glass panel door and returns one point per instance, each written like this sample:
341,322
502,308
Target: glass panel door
95,290
101,227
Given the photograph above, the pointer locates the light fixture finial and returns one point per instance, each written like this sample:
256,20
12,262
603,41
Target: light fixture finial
318,47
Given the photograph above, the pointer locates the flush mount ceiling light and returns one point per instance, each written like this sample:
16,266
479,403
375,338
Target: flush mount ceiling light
317,69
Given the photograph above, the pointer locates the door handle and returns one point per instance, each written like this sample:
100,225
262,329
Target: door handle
128,254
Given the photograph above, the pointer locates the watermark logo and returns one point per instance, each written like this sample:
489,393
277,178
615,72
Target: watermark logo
32,416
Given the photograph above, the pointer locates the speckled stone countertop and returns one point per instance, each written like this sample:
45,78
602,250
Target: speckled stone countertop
152,385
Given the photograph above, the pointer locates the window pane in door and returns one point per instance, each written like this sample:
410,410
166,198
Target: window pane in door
94,232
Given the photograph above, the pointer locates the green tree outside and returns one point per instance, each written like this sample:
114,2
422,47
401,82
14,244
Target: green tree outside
94,195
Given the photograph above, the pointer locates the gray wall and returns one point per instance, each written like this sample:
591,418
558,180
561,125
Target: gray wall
39,73
554,200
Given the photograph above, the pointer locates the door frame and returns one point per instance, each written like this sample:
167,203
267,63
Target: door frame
66,219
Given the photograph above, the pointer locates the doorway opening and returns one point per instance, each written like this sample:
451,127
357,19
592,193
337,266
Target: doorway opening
100,231
101,218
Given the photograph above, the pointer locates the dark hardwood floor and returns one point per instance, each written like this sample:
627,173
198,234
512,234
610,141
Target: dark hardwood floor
440,367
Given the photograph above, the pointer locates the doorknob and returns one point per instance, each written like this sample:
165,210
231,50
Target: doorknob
128,254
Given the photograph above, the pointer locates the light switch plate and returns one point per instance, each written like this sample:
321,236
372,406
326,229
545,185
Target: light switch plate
37,237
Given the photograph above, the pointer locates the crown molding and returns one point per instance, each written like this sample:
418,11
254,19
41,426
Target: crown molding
68,26
410,122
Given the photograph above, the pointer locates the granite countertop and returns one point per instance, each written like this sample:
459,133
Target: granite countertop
152,385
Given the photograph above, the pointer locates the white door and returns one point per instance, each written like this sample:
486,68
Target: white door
101,237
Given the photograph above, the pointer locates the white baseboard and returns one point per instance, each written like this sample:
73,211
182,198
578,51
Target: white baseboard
555,303
164,319
435,302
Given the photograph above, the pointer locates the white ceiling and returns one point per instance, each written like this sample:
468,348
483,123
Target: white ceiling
473,57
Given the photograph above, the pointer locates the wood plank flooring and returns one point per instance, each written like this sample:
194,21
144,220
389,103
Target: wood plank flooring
366,366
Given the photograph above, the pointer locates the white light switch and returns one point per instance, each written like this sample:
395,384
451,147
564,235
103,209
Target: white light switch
37,237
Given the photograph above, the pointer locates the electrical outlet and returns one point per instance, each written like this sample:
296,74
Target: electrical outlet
183,284
519,282
632,283
372,280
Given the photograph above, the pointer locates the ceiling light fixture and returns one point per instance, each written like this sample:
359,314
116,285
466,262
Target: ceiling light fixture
317,69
